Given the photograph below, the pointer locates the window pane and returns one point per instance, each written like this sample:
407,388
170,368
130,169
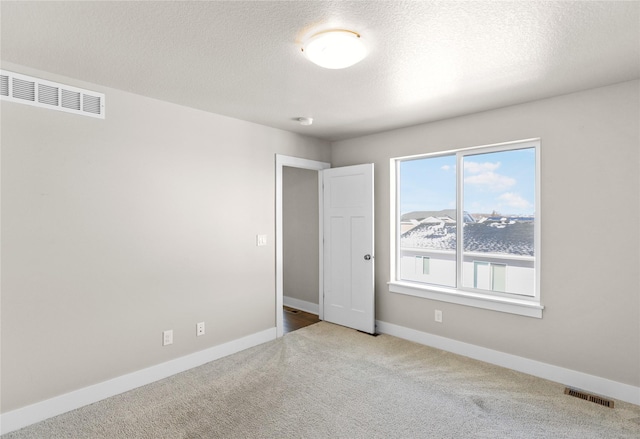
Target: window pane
427,205
499,198
481,275
498,277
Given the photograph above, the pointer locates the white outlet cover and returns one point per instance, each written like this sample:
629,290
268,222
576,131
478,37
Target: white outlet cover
200,329
167,337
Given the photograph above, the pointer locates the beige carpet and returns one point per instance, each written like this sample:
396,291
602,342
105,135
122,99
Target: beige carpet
325,381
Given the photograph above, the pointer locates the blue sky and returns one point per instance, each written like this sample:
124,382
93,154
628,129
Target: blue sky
501,181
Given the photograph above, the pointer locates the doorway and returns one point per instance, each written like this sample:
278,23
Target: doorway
294,319
301,252
299,263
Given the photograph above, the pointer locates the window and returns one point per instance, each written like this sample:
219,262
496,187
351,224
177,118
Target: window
488,276
466,227
422,265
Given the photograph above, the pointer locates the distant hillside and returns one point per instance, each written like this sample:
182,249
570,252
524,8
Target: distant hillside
451,213
422,214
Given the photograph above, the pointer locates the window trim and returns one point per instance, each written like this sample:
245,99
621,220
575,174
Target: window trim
529,306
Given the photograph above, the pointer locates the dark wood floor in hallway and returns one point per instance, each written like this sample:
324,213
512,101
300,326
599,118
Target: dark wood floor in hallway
296,319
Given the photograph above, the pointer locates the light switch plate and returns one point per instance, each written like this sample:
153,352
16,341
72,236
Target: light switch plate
261,240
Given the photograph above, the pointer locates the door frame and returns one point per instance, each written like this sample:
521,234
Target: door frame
295,162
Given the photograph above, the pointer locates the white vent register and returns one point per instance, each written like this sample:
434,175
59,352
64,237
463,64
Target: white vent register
28,90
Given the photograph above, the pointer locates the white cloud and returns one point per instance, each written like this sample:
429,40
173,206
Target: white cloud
445,167
514,200
493,181
483,174
477,168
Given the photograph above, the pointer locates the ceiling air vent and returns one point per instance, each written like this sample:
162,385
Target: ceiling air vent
48,95
24,89
4,85
71,100
92,104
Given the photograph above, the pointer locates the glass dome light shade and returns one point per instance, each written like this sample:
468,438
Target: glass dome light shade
335,49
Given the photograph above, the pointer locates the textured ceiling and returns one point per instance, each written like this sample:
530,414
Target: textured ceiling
428,60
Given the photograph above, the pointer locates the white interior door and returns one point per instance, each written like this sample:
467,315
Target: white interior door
348,279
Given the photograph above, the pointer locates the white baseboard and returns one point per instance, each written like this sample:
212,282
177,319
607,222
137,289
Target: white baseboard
567,377
40,411
302,305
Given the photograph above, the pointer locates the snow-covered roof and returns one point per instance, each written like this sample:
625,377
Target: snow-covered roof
514,239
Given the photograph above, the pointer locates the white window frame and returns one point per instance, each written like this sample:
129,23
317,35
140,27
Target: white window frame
509,303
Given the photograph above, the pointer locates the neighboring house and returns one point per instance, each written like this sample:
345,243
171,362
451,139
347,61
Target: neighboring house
498,253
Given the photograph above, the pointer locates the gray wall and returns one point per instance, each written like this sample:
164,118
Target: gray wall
115,230
300,234
590,235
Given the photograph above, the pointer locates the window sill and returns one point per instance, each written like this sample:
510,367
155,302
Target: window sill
503,304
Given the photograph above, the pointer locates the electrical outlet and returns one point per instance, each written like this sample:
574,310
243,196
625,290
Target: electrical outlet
438,316
261,240
167,337
200,329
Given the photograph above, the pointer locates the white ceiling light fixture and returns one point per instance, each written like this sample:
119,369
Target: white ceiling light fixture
335,49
